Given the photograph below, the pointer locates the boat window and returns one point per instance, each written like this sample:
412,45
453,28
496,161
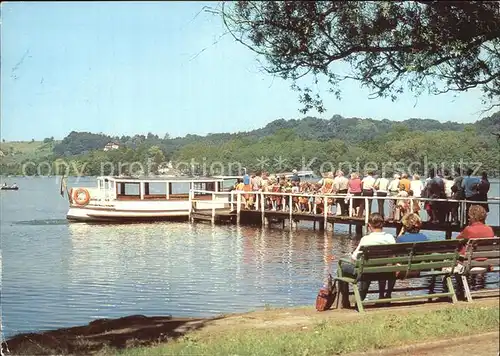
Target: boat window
198,185
128,189
180,188
157,188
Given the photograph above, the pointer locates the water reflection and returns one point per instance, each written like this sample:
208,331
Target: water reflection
196,269
56,274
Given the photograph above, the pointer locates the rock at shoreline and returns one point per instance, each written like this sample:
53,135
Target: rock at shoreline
135,330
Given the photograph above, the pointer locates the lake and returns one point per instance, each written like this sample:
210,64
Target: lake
56,274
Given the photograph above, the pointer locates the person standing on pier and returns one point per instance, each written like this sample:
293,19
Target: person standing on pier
247,187
416,186
256,182
483,189
327,183
470,185
295,177
367,188
435,189
457,194
381,186
340,185
404,183
457,182
354,188
393,192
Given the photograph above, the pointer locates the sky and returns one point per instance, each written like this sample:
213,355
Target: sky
125,68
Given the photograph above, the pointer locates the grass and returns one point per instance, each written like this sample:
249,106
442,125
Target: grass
18,151
331,337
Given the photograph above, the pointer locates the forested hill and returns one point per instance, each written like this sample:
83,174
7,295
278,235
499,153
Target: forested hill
337,139
350,130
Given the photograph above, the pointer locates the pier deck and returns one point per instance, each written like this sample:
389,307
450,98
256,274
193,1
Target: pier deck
221,216
235,213
254,217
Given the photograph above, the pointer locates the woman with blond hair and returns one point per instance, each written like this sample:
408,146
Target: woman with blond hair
410,231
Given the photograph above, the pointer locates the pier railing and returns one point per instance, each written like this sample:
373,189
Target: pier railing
236,199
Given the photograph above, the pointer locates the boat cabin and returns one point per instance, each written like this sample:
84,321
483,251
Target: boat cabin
176,188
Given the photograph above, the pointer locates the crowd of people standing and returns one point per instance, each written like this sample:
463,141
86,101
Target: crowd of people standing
405,193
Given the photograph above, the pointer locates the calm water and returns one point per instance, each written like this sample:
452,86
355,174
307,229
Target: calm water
56,274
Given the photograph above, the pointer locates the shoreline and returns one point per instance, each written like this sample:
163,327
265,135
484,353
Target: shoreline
109,336
111,332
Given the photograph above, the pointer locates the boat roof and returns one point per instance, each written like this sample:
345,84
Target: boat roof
298,173
120,179
228,177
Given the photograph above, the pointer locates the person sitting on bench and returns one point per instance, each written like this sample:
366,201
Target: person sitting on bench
376,237
410,232
477,228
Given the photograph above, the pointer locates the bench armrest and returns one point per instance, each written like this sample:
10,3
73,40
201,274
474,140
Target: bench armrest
346,260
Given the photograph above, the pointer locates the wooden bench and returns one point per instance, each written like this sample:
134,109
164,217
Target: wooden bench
481,256
382,262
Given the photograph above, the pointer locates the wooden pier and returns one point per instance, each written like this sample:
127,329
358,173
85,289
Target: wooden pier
235,213
221,216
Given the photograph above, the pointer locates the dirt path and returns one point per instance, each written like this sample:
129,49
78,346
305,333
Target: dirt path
304,317
476,345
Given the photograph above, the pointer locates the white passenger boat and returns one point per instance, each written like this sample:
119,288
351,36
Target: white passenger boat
118,199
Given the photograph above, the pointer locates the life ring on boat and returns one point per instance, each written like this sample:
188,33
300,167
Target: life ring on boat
77,196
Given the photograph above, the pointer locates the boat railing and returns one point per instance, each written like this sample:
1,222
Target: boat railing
237,198
100,196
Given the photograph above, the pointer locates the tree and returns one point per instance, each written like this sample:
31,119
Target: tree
157,157
390,46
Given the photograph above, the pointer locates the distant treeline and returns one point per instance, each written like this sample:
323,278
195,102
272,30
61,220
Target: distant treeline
283,145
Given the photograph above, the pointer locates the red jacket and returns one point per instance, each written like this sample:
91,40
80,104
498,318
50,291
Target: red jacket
476,230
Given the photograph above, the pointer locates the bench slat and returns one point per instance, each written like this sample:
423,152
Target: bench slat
489,262
486,254
418,248
485,241
422,266
405,259
413,297
486,248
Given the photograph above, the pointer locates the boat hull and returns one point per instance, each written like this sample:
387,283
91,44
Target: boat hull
9,188
92,214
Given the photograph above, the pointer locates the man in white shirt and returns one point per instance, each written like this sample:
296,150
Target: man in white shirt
340,185
367,190
376,237
256,182
381,187
393,191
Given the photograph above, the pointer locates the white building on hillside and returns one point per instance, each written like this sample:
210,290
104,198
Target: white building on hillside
111,146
